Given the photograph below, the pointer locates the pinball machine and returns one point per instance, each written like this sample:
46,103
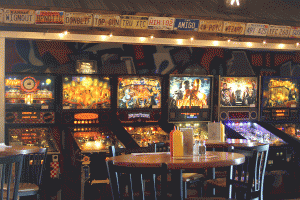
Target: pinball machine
139,110
87,133
190,103
30,120
239,111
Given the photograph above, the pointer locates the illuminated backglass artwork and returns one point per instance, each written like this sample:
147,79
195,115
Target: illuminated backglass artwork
29,92
280,92
139,92
86,92
238,91
189,92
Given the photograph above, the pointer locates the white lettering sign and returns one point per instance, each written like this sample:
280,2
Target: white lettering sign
19,16
161,23
256,29
279,31
78,19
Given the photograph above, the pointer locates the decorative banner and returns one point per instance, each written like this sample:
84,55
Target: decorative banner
211,26
106,20
295,32
78,19
49,17
18,16
161,23
186,24
234,28
134,22
256,29
279,31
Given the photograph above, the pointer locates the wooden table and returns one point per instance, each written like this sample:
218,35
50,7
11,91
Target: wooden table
210,160
15,150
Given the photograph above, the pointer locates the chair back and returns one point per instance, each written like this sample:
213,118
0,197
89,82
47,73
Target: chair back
247,179
10,170
134,179
33,167
113,151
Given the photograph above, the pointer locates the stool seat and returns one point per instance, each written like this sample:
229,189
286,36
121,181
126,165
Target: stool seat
187,177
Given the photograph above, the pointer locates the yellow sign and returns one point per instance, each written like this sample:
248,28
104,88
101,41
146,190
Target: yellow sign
234,28
106,20
210,26
134,22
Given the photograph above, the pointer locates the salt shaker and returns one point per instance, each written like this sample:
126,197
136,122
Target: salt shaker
196,148
202,148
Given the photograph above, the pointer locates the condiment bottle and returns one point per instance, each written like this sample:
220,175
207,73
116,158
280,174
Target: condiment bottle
196,148
176,143
202,148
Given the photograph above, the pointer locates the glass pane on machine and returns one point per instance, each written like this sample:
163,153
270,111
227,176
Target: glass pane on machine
290,129
255,132
148,135
41,137
200,130
95,138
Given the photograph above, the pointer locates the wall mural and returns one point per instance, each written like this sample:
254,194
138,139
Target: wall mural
113,58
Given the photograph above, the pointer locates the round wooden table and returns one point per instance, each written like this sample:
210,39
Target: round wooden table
176,165
15,150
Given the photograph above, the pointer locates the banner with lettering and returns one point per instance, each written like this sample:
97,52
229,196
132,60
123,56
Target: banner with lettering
279,31
211,26
256,29
43,17
161,23
234,28
78,19
18,16
186,24
295,32
134,22
106,20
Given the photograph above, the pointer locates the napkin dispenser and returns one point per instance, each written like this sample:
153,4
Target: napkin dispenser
188,141
216,131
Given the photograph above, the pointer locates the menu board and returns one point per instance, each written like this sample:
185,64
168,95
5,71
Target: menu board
280,92
238,91
86,92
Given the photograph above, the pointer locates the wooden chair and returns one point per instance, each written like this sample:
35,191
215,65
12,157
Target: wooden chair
131,178
113,151
245,181
10,179
187,178
33,167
